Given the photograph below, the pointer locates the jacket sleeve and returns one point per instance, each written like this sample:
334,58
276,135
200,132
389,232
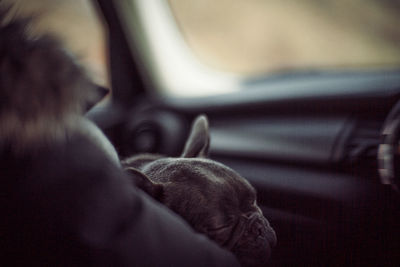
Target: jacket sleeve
84,211
135,230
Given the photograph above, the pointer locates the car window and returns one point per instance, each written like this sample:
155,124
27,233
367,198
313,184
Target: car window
264,36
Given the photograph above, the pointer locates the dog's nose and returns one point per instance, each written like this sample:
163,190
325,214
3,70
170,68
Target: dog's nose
259,226
256,240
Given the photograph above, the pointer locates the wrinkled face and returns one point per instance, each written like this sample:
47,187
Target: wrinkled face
216,201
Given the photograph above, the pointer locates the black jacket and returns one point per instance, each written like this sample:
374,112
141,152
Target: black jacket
69,205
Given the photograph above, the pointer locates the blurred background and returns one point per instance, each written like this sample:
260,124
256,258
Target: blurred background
249,37
259,36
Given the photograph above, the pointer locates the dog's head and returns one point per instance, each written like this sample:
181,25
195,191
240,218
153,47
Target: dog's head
213,198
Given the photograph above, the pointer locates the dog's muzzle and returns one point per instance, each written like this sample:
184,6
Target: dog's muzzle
252,239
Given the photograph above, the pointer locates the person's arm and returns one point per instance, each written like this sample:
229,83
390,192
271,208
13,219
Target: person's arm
78,208
134,229
159,238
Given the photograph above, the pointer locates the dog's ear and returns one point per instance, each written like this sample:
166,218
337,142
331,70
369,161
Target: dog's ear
155,190
198,143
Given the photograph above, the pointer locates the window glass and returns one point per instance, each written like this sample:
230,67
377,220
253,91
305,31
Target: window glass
258,36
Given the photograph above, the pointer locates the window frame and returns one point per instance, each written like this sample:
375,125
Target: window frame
140,64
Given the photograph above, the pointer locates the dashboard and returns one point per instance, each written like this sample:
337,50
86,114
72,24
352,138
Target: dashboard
327,183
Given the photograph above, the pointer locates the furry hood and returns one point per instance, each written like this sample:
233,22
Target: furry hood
42,88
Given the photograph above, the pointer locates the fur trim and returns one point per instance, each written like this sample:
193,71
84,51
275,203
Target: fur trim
42,88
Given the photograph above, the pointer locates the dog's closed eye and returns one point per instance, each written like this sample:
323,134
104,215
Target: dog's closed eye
222,233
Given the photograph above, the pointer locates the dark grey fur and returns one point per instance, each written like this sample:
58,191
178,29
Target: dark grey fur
213,198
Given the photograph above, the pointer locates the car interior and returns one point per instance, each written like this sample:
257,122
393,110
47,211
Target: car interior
307,141
321,147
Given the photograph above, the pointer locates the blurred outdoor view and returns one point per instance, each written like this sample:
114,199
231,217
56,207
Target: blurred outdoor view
258,36
247,36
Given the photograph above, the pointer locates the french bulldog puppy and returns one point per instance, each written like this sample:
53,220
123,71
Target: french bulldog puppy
212,198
